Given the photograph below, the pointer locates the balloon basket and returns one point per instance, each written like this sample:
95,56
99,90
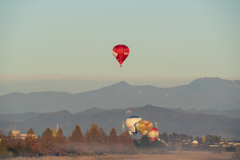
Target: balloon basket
120,65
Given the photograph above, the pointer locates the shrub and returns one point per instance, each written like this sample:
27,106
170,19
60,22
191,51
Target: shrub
87,153
72,149
14,151
231,149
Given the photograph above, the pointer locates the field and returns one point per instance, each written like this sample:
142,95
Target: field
179,155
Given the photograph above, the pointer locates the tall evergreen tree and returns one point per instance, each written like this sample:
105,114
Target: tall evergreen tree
77,140
60,137
30,132
113,137
77,135
127,144
103,136
61,143
94,133
114,142
48,143
33,142
88,137
126,139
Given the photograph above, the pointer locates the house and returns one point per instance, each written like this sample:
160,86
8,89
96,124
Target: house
237,143
16,134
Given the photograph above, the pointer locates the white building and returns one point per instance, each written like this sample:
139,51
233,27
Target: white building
16,134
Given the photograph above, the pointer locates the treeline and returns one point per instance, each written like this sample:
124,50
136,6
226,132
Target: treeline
95,141
180,137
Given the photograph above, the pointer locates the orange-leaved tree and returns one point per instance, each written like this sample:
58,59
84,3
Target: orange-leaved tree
77,136
48,143
61,143
76,140
114,142
88,137
94,133
32,142
10,140
127,144
103,136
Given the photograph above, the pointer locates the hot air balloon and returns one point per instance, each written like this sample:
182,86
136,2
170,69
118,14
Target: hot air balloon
131,123
144,126
153,134
120,52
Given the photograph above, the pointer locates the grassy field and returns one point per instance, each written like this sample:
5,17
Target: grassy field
179,155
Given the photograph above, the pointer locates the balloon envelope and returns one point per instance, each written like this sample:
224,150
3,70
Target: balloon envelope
131,122
153,133
144,126
120,52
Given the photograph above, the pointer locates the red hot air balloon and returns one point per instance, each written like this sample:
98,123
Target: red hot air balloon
153,134
120,52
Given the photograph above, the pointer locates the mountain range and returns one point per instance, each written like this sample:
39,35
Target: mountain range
200,94
196,124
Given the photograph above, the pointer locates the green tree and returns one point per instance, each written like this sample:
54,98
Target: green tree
14,151
215,139
164,136
157,144
174,136
144,142
19,147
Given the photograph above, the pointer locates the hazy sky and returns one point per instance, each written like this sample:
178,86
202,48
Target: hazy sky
174,38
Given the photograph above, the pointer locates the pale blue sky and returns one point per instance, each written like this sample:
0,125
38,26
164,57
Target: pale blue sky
186,38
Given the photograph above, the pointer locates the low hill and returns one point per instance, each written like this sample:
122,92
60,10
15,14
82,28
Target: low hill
232,113
96,110
18,117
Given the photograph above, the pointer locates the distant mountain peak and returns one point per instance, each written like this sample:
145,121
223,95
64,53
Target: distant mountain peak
63,112
122,83
207,80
